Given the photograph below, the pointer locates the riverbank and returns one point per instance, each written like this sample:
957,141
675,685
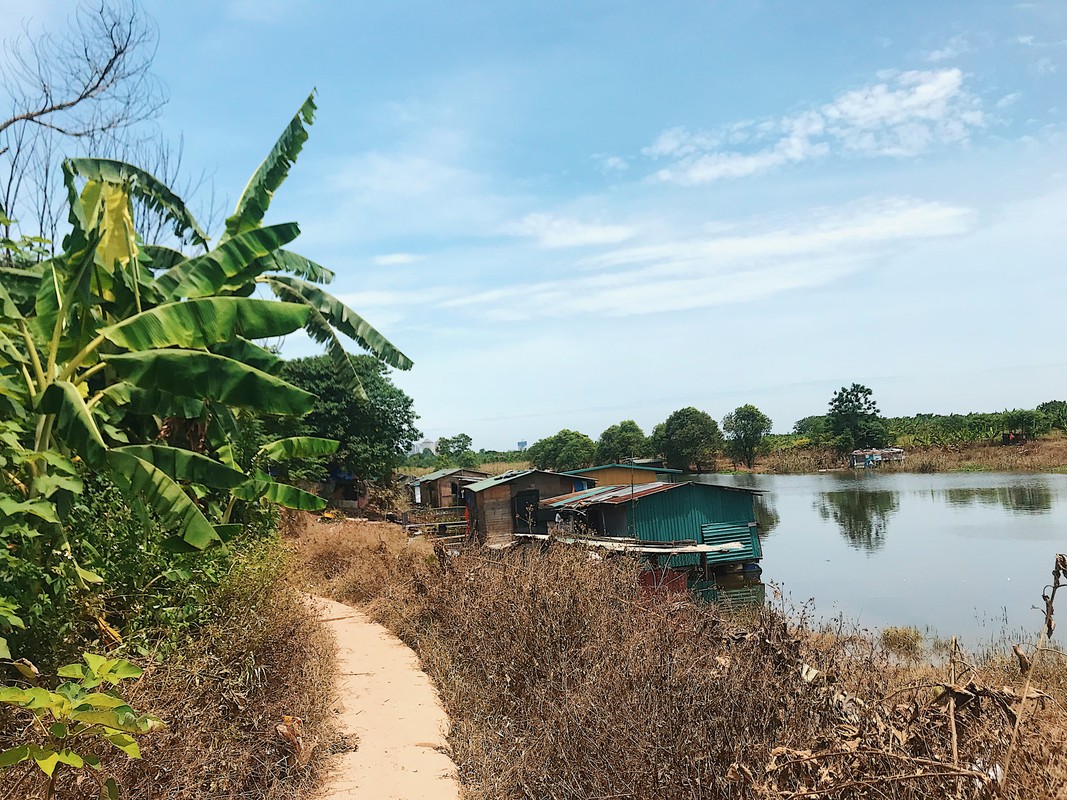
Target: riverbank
1042,455
562,680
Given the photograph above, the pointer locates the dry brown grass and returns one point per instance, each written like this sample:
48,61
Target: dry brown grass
265,655
1044,455
500,467
563,681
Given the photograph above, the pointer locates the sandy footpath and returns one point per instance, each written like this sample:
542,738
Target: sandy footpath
388,702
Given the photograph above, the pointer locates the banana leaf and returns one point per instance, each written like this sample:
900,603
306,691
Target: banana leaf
299,447
74,424
185,465
280,493
203,276
194,373
136,477
338,315
256,197
204,322
145,187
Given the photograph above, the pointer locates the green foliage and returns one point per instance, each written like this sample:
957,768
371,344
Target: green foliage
811,426
621,441
1056,413
77,720
745,428
373,433
563,451
455,451
688,437
853,420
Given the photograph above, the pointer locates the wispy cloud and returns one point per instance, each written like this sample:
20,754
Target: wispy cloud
953,48
552,231
905,115
609,164
395,259
1009,100
702,273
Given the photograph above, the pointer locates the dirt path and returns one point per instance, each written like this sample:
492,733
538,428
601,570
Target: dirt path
388,702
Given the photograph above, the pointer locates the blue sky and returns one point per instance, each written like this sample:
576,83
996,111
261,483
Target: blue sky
570,214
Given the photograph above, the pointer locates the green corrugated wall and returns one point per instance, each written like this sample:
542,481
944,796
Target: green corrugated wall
678,514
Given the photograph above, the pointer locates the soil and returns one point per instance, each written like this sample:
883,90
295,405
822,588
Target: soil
389,709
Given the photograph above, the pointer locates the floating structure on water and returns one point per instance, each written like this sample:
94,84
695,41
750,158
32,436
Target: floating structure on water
874,457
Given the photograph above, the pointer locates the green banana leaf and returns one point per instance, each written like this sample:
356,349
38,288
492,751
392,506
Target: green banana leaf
147,188
338,315
281,494
256,197
200,323
250,353
185,465
295,264
136,477
194,373
203,276
74,424
153,402
160,258
298,447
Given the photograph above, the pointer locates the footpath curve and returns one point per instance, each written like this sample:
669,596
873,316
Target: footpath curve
388,702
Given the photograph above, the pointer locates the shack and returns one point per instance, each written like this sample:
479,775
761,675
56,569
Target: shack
625,474
874,457
681,525
442,489
501,506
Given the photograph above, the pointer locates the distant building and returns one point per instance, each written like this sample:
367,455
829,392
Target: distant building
522,445
425,444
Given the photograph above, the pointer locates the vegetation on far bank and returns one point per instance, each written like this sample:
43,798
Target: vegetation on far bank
691,440
564,680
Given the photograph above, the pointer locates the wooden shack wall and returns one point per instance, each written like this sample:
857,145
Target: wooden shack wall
620,476
496,520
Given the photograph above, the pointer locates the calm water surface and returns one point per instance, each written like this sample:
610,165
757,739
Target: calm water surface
964,554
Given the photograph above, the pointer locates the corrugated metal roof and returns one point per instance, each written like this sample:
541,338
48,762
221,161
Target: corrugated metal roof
444,473
665,470
507,477
615,495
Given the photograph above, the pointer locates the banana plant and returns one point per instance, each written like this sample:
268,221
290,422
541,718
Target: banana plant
135,360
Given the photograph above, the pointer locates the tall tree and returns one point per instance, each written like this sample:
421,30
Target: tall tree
624,440
745,428
374,432
853,419
688,437
563,451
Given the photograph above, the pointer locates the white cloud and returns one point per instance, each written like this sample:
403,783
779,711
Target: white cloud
905,115
954,47
394,259
552,231
1008,100
609,164
1044,66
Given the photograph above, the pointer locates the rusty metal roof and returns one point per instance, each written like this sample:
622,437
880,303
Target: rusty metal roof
507,477
639,467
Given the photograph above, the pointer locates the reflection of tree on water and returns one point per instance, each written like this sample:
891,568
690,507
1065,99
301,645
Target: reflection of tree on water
766,515
1031,499
863,516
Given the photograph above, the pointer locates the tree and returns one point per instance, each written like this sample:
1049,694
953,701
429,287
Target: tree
688,437
810,426
563,451
374,432
454,448
621,441
853,419
84,90
745,428
1056,412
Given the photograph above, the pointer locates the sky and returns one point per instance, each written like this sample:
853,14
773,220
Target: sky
573,213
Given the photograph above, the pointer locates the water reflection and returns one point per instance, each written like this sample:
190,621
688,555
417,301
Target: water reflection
767,517
862,515
1024,499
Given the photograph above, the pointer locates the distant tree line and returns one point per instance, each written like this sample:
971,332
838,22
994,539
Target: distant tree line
691,439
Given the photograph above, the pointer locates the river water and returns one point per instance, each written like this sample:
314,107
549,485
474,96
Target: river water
963,554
